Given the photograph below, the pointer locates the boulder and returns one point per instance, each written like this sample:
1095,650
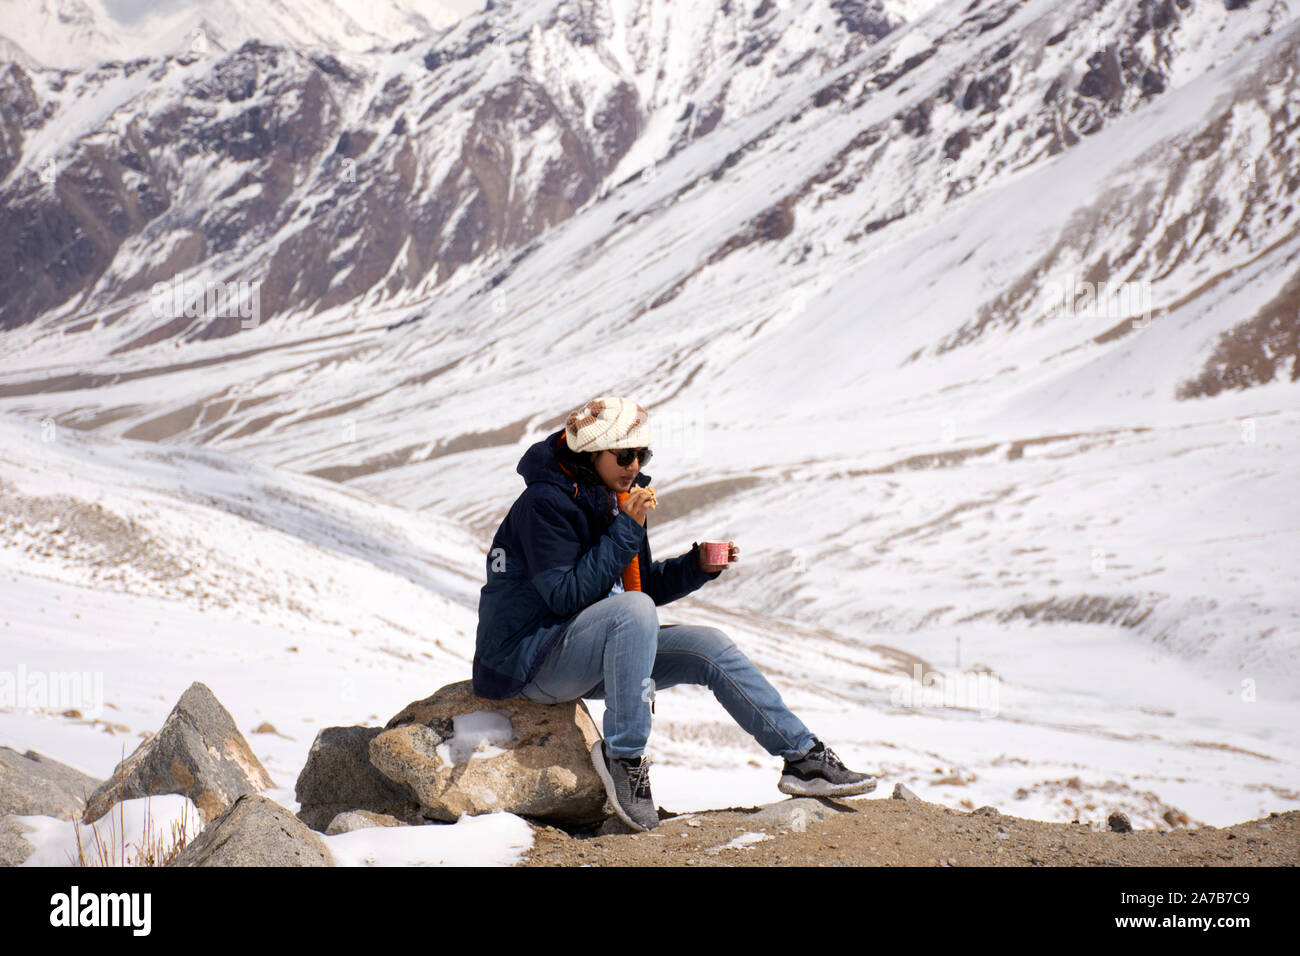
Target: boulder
32,784
338,777
461,754
255,831
360,820
13,848
198,752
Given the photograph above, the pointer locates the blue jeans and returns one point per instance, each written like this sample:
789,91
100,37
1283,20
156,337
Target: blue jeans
616,649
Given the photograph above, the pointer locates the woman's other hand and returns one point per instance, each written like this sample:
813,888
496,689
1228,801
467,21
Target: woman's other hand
733,552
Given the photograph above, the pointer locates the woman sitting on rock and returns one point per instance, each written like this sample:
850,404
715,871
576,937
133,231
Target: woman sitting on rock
568,612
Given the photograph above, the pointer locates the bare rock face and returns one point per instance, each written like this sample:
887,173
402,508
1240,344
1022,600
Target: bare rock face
461,754
32,784
339,777
198,752
255,831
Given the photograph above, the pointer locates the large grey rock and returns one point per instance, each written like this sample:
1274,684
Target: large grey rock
198,752
13,848
33,784
542,771
255,831
796,813
339,777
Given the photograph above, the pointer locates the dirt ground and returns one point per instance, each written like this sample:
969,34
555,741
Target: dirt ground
882,831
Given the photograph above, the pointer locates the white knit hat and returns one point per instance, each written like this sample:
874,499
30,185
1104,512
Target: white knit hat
608,422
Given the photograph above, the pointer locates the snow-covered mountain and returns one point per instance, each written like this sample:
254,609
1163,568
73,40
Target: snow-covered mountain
327,178
80,34
975,324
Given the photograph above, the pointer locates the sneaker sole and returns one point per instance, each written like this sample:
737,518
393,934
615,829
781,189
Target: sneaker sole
598,761
824,788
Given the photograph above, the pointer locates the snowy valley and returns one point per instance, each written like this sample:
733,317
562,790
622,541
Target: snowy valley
973,323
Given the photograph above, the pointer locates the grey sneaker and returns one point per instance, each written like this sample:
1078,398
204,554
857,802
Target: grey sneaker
627,783
821,774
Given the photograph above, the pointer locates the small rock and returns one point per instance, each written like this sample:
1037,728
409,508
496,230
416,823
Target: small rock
361,820
614,826
902,793
265,727
795,813
986,812
1118,822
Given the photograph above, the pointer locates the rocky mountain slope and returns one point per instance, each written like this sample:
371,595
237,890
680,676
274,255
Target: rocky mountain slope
81,34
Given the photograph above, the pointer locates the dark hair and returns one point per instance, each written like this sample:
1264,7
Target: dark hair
582,466
578,462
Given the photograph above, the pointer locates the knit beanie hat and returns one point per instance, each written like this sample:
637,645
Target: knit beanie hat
607,422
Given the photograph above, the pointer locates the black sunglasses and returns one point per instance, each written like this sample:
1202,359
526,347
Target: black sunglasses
624,456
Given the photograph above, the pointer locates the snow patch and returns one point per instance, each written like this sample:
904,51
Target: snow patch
480,733
491,839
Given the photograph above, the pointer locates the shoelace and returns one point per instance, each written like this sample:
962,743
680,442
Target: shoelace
827,757
638,778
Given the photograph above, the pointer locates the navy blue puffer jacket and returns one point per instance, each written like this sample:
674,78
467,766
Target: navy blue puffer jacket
556,553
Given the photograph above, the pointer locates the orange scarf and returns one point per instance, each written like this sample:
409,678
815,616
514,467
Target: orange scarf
631,573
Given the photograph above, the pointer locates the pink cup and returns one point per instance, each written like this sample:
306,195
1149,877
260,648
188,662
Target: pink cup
716,552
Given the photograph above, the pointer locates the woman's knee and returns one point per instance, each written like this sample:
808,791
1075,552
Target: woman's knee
714,643
635,605
635,612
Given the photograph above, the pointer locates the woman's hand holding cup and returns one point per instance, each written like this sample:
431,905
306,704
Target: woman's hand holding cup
716,555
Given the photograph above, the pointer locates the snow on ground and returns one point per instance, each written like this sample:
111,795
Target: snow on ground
492,839
134,832
156,824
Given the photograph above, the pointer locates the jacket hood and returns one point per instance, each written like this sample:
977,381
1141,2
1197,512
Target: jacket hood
539,464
